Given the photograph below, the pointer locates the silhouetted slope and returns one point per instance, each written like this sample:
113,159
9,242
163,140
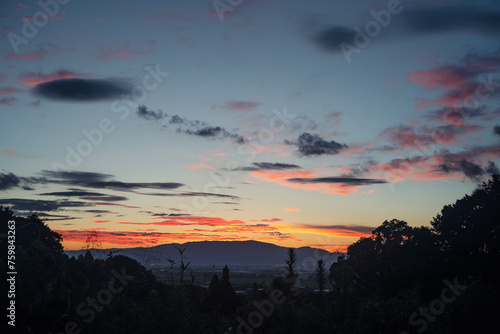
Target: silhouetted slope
206,253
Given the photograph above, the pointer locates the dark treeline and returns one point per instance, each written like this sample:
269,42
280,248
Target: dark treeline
439,279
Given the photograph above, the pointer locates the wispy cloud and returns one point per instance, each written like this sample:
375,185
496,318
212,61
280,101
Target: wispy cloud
190,127
342,181
258,166
101,181
32,205
10,90
8,101
190,221
27,56
312,181
349,231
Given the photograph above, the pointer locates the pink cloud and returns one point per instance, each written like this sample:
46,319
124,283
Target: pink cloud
333,118
474,163
285,179
421,137
238,106
35,78
10,90
28,56
165,15
190,221
124,50
203,163
55,17
443,76
293,209
221,14
406,137
467,83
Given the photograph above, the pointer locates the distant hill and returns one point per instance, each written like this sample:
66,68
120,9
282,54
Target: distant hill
219,253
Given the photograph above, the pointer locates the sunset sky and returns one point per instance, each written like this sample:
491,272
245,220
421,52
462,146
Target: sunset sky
299,123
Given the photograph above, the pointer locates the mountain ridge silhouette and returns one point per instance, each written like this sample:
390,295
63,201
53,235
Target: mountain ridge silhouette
250,253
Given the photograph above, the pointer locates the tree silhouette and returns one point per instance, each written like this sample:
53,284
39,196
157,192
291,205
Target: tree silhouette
468,231
224,280
214,285
320,275
291,263
172,262
396,256
182,266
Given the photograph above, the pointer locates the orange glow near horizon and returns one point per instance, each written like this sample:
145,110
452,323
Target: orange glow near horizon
192,229
80,245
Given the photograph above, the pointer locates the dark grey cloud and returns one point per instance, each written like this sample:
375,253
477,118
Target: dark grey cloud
458,114
72,193
79,89
106,198
84,180
99,211
160,214
313,145
214,132
470,169
346,181
275,166
475,171
491,168
169,214
8,181
464,164
481,17
32,205
86,195
257,166
330,38
496,130
187,126
226,203
124,186
51,217
101,181
75,176
193,194
144,112
354,228
466,17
